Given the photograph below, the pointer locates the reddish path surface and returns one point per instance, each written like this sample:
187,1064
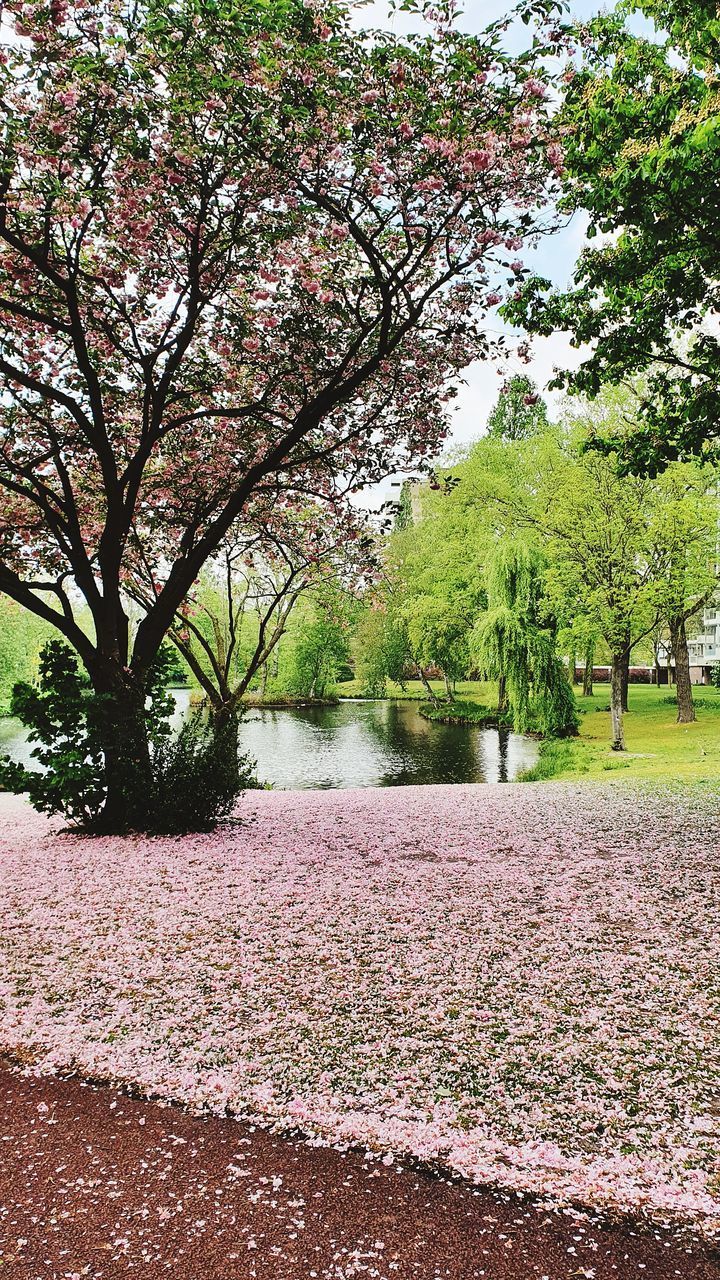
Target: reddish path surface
95,1184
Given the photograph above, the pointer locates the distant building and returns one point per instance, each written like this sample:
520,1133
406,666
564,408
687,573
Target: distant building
704,648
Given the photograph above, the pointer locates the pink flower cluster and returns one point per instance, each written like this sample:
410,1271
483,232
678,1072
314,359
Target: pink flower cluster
515,982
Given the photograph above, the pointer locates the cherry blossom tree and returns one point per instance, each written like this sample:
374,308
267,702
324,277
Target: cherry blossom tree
245,252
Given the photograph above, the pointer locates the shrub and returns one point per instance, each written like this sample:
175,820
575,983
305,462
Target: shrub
195,776
198,777
63,716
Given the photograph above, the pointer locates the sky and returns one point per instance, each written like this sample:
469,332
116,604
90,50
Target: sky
554,258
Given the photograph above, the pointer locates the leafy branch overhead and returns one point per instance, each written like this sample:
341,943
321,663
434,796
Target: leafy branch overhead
641,119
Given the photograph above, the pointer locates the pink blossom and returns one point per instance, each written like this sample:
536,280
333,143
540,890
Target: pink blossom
536,88
478,160
509,971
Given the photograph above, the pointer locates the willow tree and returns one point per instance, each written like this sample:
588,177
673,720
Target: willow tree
514,647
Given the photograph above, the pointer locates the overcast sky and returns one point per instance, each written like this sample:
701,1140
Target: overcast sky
554,258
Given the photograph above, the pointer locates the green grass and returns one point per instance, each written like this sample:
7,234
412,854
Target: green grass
474,691
555,757
657,746
461,711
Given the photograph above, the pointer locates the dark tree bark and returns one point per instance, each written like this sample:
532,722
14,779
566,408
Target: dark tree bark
616,700
126,751
685,705
502,702
226,726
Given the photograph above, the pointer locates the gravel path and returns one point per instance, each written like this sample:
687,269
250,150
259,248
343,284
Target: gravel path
96,1184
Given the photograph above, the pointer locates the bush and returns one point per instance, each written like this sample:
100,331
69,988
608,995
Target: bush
198,777
195,776
64,718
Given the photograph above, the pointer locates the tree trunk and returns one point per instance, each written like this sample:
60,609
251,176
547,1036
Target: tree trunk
128,768
685,705
625,678
502,702
616,700
427,686
670,663
225,728
449,691
656,664
588,672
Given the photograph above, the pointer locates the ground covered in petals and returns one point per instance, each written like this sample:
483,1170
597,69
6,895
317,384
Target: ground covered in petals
517,982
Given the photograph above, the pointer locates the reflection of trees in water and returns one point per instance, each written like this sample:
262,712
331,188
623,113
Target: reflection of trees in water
377,744
426,752
503,744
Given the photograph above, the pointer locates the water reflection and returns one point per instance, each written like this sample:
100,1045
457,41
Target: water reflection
377,744
356,744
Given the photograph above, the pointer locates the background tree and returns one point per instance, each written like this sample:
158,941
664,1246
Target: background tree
519,412
642,159
579,634
684,524
596,523
243,252
239,610
22,636
323,648
435,577
631,549
514,644
381,643
608,546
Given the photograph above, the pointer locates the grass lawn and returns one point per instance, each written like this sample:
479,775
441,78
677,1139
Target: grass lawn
657,746
484,691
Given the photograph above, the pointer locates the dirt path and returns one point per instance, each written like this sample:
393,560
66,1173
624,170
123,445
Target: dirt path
95,1184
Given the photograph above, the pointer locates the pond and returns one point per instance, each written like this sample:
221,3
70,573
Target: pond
358,744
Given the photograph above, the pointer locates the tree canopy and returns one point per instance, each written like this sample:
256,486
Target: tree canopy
642,159
519,410
244,252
